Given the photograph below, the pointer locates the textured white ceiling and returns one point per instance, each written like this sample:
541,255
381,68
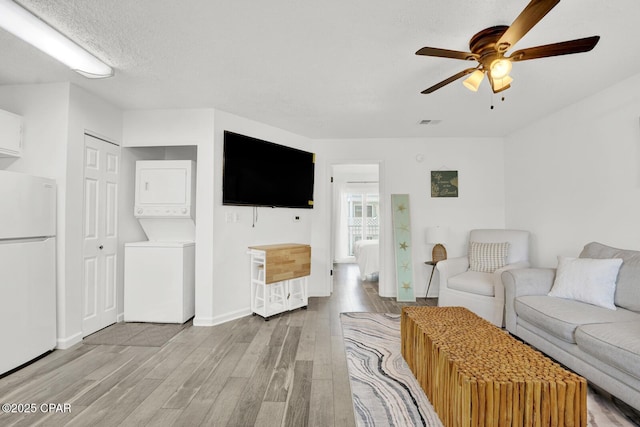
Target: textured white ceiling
331,68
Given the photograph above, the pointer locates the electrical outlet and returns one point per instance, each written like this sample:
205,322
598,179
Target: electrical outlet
232,217
296,218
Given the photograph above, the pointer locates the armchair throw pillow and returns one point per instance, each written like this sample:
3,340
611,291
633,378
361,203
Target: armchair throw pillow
487,257
588,280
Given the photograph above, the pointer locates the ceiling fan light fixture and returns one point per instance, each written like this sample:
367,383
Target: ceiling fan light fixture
28,27
489,46
500,68
473,81
499,85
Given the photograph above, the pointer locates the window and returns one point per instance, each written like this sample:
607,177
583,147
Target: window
360,226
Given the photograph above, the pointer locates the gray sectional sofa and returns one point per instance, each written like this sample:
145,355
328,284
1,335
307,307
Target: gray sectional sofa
600,344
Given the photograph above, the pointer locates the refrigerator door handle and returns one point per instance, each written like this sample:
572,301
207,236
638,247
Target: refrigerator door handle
26,240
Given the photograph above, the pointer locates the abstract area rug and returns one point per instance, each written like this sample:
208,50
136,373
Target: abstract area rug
135,334
384,390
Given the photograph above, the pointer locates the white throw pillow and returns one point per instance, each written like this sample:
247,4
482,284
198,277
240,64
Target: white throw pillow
487,257
588,280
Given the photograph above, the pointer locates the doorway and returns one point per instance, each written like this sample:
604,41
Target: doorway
356,217
359,218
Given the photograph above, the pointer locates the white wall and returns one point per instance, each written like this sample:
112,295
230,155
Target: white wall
574,177
480,165
170,127
232,239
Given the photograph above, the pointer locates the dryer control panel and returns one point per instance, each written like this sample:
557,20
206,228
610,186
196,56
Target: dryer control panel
165,189
155,212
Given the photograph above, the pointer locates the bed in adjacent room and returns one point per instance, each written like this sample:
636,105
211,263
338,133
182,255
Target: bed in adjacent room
367,255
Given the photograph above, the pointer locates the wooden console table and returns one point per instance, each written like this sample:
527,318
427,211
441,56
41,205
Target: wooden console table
279,276
475,374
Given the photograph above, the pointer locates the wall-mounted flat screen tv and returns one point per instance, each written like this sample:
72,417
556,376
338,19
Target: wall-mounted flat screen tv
262,173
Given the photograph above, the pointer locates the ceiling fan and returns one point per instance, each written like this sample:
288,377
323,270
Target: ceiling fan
488,48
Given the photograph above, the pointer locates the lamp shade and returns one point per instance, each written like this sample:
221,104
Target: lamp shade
501,84
500,68
436,234
473,81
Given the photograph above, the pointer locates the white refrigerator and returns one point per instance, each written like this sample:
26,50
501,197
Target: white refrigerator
27,268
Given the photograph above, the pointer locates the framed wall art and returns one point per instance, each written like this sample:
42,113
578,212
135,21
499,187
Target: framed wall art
444,183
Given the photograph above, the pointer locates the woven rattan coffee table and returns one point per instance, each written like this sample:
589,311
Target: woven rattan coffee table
474,374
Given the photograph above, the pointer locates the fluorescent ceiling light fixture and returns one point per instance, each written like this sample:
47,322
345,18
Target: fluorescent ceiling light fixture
21,23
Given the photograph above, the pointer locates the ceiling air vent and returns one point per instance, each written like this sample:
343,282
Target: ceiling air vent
429,122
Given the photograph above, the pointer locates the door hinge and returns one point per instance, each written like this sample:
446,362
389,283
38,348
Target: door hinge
331,179
330,272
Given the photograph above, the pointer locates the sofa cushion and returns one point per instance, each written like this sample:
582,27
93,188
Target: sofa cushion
586,279
560,317
617,344
628,283
473,282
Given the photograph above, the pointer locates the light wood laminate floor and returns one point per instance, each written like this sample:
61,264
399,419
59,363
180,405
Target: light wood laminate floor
289,371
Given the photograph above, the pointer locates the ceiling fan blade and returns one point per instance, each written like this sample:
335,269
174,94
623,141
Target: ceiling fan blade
555,49
445,53
530,16
449,80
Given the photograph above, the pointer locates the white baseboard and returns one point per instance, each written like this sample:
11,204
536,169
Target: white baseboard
65,343
217,320
319,295
203,321
120,318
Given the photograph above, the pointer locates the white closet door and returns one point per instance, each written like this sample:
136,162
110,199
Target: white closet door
100,236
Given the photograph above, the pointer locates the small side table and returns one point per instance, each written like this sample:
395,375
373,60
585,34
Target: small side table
433,268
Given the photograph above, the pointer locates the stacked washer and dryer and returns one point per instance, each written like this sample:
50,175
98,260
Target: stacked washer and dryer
159,274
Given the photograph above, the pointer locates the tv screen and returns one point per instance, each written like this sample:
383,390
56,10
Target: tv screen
261,173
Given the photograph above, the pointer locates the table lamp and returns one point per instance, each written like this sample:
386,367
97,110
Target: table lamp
437,235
